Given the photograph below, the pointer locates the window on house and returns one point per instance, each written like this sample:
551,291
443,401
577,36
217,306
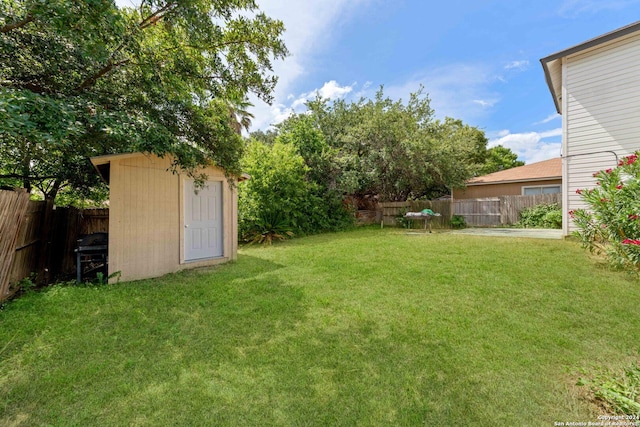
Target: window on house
542,189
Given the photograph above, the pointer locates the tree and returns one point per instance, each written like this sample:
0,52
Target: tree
500,158
85,78
303,133
239,116
292,185
397,150
458,152
268,137
378,147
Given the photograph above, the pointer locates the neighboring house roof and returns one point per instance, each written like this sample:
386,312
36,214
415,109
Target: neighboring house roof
552,64
540,171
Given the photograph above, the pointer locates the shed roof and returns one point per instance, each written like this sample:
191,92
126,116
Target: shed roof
541,171
552,64
103,164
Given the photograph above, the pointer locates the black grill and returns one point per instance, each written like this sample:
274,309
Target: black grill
92,256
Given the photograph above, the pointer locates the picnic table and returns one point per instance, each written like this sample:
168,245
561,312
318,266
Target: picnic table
425,215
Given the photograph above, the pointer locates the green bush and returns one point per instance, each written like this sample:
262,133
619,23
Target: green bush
401,220
277,188
552,219
611,222
280,199
457,221
541,216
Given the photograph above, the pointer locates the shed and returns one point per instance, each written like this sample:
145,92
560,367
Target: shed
595,85
158,224
536,178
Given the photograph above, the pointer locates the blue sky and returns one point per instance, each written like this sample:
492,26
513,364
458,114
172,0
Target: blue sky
479,60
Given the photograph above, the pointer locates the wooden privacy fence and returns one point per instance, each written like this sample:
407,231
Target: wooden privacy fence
511,206
368,216
27,250
38,240
13,207
496,211
391,210
479,212
70,225
489,212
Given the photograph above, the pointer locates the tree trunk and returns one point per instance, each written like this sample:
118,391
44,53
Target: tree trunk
53,192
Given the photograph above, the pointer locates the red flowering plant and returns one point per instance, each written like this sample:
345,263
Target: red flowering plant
611,222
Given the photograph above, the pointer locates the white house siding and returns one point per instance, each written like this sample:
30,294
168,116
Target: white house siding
601,110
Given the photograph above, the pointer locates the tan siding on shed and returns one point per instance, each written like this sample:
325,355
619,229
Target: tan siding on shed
147,218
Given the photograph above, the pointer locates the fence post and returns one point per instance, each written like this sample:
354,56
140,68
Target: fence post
44,260
504,209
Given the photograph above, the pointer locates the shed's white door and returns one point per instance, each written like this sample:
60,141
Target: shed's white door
203,221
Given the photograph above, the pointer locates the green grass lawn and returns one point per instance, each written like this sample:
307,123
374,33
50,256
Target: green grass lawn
369,327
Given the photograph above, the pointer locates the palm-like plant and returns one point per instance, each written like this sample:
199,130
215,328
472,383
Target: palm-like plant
269,226
239,116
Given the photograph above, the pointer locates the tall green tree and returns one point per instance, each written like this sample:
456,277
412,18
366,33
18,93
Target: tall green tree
85,78
500,158
323,171
458,152
397,150
380,147
303,133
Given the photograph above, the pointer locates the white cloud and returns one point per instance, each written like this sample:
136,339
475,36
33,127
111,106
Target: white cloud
332,90
531,146
363,92
457,90
280,111
308,26
550,118
517,65
572,8
550,133
485,103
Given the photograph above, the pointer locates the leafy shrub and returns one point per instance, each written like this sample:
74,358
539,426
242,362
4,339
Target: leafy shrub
552,219
277,188
611,223
620,393
401,220
279,196
541,216
27,284
457,221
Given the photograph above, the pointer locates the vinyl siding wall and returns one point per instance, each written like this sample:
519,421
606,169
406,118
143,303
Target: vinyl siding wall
146,220
601,109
